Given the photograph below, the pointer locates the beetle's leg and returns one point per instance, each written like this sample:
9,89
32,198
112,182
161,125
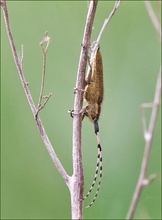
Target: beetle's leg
77,89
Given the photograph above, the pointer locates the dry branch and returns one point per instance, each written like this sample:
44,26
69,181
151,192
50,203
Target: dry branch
143,180
18,63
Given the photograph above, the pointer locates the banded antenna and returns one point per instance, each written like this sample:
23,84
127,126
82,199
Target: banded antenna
98,167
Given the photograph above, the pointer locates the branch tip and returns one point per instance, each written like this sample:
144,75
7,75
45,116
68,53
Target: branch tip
47,40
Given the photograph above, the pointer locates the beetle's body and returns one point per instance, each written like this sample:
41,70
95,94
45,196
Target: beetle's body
94,89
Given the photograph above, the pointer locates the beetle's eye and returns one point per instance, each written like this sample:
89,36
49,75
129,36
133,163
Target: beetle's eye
94,118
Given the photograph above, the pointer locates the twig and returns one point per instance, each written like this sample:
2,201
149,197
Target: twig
148,133
21,59
41,106
153,17
106,22
41,129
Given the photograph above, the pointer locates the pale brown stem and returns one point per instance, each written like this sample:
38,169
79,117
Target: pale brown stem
148,133
153,18
77,189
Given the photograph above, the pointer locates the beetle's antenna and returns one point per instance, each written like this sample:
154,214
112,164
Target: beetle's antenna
98,166
96,174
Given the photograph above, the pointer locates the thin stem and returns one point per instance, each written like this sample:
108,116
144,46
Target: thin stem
46,39
41,129
148,141
106,22
153,18
41,106
148,133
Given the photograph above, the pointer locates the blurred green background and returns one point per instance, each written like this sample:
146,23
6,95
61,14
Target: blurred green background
31,187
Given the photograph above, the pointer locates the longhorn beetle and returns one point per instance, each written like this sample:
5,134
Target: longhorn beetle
93,94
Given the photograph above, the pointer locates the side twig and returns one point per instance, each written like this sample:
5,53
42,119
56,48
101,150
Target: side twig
106,22
40,106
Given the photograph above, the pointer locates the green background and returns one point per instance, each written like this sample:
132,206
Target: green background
31,187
